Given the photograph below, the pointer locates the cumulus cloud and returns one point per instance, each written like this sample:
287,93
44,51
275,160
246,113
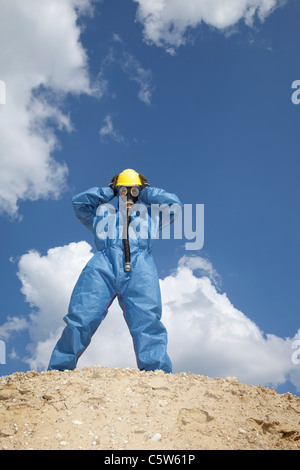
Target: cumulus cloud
47,283
42,60
166,22
197,263
207,334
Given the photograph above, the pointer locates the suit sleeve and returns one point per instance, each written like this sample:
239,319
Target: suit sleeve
85,204
167,204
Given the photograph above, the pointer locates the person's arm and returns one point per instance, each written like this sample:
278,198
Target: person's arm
85,204
150,195
160,198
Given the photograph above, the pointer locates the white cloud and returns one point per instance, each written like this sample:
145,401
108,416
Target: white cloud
207,334
42,60
108,130
203,265
167,22
47,282
139,75
13,325
119,54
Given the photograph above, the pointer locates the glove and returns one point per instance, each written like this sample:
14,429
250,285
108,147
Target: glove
113,183
144,181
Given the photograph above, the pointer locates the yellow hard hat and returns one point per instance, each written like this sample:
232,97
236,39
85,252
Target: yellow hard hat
129,178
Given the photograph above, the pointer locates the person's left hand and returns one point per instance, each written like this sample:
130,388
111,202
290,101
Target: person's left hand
144,180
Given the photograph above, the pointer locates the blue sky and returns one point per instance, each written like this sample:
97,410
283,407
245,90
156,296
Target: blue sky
195,95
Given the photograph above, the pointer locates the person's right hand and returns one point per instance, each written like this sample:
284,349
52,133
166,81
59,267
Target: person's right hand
113,183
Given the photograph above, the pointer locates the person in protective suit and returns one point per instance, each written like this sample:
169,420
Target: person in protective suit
122,267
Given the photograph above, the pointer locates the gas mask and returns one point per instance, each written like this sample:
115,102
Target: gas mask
129,195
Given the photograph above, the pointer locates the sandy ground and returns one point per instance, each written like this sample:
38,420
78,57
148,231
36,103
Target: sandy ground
100,408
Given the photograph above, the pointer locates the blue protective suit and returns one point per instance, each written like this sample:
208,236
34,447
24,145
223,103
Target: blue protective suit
103,279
